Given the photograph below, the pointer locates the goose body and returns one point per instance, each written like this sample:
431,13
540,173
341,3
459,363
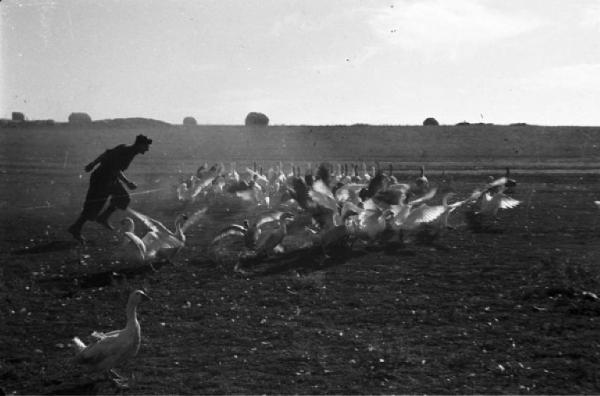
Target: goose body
491,203
271,234
424,214
112,349
245,231
160,241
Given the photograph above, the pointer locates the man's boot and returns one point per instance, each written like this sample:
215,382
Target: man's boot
75,230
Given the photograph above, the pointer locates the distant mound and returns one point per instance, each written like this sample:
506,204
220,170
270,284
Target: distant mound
256,119
134,122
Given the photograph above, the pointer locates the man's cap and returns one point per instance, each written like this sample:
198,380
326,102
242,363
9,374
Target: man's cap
141,139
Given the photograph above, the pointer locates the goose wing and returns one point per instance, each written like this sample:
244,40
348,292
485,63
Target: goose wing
202,183
231,230
424,214
496,183
300,192
108,346
348,192
193,219
101,335
506,202
139,244
149,222
376,184
322,195
268,218
322,188
343,194
258,175
426,197
475,195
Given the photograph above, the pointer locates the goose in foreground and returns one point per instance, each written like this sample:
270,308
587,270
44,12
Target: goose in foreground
111,349
160,241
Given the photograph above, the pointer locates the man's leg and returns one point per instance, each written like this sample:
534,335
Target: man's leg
94,201
119,200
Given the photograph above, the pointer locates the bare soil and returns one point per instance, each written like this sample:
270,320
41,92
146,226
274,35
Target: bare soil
508,309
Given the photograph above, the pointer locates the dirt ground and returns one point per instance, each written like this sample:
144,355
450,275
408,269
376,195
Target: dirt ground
508,309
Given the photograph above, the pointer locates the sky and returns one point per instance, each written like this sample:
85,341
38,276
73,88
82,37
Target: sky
311,62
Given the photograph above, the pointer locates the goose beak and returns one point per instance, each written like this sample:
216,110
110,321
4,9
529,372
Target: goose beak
145,297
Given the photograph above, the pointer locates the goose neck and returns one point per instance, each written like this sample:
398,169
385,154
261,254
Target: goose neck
131,314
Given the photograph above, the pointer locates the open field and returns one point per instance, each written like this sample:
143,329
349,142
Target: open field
508,310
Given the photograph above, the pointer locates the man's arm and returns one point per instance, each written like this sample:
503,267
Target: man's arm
91,165
131,185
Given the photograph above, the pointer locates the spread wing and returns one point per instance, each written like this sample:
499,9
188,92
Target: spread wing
425,214
506,202
193,219
323,196
258,175
496,183
149,222
430,194
376,184
232,230
300,192
267,218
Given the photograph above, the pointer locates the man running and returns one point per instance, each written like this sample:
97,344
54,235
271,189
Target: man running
105,183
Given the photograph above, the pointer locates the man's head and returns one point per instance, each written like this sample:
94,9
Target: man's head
142,143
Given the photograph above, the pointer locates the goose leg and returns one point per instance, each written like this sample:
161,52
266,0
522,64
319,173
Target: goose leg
117,375
119,380
237,268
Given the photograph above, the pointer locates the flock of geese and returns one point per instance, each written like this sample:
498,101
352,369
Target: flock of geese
330,208
335,206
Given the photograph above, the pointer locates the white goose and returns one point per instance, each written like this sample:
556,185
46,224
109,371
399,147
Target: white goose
160,241
369,222
424,214
113,348
268,238
271,233
491,203
422,182
204,179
